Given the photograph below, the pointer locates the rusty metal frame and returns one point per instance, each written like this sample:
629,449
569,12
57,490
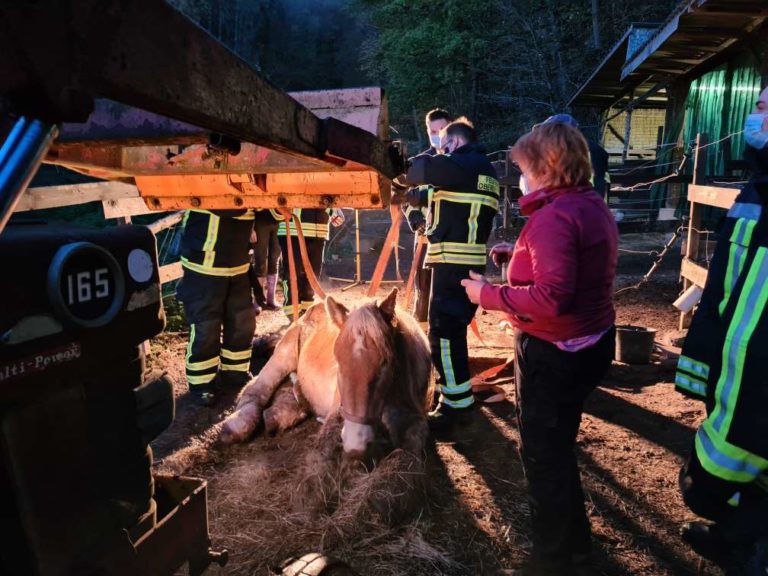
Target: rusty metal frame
138,83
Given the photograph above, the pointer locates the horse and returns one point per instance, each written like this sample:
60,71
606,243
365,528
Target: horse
377,378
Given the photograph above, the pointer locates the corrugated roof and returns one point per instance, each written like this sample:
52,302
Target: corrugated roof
693,38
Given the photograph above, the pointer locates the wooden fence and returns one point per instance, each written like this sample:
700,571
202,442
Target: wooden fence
119,200
700,195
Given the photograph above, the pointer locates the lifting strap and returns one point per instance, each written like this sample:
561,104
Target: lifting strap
313,281
421,243
392,240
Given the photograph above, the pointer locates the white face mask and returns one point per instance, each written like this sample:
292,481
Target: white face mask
434,140
524,185
754,135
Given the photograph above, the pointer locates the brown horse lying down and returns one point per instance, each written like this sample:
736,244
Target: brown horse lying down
372,365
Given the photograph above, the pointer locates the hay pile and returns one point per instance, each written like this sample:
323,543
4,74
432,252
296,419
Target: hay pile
280,497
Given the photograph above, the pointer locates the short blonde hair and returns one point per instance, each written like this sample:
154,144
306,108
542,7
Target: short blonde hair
556,154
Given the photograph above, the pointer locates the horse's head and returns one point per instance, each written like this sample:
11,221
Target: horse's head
365,355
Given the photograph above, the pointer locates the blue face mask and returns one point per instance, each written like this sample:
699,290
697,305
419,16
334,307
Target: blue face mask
754,135
434,139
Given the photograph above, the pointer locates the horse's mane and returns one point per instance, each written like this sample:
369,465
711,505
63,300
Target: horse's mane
405,374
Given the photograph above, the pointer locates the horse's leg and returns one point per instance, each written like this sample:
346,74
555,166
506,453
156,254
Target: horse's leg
407,430
329,437
239,426
285,412
318,490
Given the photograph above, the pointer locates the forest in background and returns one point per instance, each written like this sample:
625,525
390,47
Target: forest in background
506,64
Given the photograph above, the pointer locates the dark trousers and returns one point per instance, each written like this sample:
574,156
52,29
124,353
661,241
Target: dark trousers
551,388
422,284
450,313
221,323
258,291
740,510
266,251
315,248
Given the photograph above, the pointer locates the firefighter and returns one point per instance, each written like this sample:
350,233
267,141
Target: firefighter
462,193
216,295
723,362
436,120
314,226
266,255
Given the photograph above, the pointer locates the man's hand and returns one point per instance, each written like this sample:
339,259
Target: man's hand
501,253
474,285
337,218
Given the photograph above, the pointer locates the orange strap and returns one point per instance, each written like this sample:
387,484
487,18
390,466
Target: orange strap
479,383
308,270
476,331
393,237
292,270
421,242
491,372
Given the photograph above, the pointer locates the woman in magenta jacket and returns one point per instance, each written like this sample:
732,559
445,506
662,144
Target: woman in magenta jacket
559,298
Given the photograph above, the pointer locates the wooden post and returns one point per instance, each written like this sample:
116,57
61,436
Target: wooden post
695,219
627,133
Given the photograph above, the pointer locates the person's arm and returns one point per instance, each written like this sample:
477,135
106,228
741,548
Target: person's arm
553,246
439,171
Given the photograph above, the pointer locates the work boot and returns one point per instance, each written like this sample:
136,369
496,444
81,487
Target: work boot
443,420
203,394
233,379
707,541
270,288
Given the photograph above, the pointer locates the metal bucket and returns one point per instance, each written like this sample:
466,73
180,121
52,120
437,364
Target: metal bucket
634,344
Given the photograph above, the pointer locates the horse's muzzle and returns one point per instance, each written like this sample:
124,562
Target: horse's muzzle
356,438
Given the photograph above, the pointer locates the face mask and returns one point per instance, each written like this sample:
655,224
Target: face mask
434,140
754,135
524,185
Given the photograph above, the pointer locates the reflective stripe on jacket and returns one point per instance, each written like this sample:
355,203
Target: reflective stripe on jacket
314,222
725,353
216,242
463,198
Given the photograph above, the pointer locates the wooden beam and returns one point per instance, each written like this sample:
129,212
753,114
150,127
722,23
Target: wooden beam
118,160
694,272
125,207
44,197
712,195
171,272
166,222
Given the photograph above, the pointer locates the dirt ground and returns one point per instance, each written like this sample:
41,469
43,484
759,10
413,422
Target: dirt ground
471,516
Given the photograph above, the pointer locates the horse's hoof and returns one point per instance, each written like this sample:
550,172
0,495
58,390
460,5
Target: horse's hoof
240,425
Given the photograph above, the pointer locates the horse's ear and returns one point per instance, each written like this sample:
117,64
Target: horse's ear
387,306
337,312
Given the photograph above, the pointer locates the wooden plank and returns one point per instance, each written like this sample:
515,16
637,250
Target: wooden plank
122,207
72,194
713,195
694,272
171,272
166,222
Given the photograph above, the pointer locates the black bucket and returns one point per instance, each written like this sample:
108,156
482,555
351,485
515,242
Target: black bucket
634,344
